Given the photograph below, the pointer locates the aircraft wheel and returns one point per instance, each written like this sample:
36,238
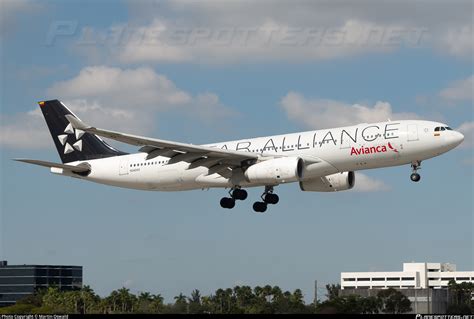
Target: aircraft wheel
415,177
272,199
260,207
227,202
240,194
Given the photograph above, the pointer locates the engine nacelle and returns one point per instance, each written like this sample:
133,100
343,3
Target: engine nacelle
331,183
275,171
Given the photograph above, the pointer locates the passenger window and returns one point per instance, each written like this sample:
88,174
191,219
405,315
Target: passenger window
448,128
436,129
442,129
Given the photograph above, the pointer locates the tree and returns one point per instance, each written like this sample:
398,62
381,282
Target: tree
112,301
332,291
87,298
371,305
157,305
54,299
195,302
144,301
35,299
126,300
393,301
181,304
244,298
460,298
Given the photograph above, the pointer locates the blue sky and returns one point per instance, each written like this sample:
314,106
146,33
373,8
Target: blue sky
185,71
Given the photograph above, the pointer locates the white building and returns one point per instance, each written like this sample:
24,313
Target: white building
414,275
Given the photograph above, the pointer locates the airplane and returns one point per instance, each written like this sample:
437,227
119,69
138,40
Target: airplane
320,161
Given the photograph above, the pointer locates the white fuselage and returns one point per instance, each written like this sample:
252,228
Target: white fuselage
352,148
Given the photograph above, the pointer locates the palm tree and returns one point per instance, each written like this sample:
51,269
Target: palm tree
297,297
125,298
112,299
220,299
145,296
181,304
267,293
159,298
195,297
157,303
180,299
89,298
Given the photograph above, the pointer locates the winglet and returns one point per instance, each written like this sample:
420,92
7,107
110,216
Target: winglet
77,123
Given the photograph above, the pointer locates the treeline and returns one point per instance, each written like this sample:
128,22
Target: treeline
237,300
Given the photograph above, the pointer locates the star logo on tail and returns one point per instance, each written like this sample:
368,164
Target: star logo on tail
75,133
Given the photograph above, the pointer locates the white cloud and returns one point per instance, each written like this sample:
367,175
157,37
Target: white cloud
364,183
24,130
29,130
325,113
123,88
467,129
128,100
460,90
458,42
140,90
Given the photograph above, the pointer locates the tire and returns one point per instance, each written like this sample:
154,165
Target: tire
260,207
227,202
415,177
224,202
231,203
240,194
272,199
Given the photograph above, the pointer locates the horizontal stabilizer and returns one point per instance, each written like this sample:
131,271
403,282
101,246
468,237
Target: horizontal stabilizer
73,168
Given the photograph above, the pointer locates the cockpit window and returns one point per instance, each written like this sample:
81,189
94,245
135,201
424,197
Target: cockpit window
448,128
436,129
442,128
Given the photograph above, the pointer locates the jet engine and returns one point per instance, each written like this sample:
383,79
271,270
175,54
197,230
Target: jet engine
275,171
330,183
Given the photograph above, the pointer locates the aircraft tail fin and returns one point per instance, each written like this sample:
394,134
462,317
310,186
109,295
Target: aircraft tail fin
73,144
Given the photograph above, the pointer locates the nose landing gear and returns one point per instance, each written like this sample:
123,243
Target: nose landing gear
415,177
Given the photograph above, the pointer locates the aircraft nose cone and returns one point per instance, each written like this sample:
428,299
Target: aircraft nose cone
457,138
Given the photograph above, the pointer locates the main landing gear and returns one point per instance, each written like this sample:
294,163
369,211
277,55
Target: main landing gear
235,193
415,177
267,198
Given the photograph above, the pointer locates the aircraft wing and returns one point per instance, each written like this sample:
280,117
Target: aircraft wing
72,168
175,150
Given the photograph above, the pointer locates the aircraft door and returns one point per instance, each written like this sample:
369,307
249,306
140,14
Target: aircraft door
123,169
412,132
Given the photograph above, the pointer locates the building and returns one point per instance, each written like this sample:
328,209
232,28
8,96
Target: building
425,284
18,281
413,275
